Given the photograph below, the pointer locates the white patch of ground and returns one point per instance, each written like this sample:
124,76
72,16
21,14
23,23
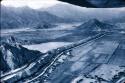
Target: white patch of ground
80,52
77,79
64,26
107,71
15,30
9,59
15,70
8,77
83,80
44,47
87,80
60,35
62,58
107,47
27,70
77,65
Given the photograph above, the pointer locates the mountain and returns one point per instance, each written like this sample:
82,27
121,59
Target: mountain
77,13
15,56
12,17
68,11
25,17
95,25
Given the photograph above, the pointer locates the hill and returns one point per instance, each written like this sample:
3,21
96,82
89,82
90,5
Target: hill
95,25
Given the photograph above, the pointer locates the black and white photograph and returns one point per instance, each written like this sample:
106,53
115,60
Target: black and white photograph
62,41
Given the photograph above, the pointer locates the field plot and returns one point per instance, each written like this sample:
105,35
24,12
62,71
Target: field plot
119,55
90,59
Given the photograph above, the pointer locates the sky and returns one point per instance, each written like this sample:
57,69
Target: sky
35,4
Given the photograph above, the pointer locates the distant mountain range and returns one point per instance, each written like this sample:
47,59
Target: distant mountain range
77,13
67,11
25,17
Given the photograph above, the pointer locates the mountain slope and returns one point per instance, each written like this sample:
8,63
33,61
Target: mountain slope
95,25
14,56
66,11
25,17
77,13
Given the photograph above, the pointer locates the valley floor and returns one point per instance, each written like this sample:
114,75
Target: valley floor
102,58
98,61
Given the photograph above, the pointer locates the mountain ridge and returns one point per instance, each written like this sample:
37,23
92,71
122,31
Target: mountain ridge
96,25
25,17
77,13
15,56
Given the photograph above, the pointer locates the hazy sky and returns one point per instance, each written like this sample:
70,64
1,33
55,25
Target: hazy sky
35,4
